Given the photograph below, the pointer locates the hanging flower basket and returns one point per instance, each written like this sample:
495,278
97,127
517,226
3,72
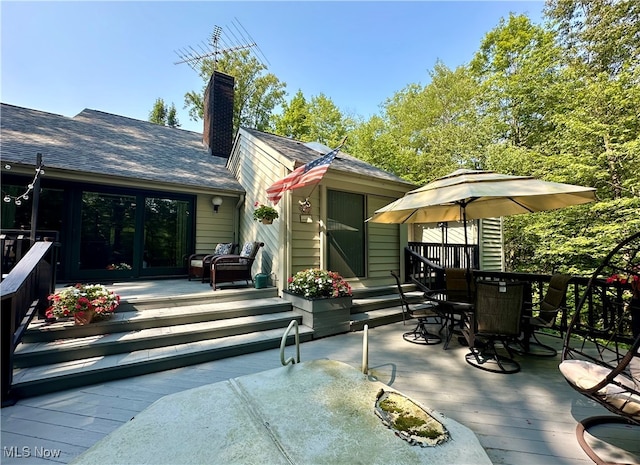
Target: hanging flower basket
264,213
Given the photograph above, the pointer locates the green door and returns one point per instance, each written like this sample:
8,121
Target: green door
346,233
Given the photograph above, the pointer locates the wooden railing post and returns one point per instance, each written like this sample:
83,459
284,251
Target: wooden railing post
7,324
24,291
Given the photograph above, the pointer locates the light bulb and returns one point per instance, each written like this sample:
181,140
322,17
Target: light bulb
25,196
18,202
7,198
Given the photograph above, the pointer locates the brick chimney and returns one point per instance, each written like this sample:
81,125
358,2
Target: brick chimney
218,115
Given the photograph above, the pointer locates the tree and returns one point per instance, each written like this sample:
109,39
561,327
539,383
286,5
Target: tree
164,116
172,117
158,114
257,93
294,120
426,131
567,110
327,125
319,120
516,65
602,35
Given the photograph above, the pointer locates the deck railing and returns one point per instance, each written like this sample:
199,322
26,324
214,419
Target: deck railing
448,255
24,294
430,275
15,243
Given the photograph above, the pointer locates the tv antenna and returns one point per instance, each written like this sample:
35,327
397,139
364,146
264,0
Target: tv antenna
221,42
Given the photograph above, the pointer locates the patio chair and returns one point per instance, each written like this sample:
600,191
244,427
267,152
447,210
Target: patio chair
600,355
424,312
460,290
544,317
199,264
229,268
497,316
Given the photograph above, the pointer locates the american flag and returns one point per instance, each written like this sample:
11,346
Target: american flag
306,175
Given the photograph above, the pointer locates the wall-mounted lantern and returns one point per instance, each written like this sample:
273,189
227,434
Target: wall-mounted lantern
216,202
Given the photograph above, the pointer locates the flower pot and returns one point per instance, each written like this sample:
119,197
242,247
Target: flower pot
83,318
326,316
266,221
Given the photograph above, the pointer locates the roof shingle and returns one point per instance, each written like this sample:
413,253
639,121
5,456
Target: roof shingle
112,145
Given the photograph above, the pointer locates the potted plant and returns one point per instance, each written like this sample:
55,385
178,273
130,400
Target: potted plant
84,302
323,298
264,213
119,266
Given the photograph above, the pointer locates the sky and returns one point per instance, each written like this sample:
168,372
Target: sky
119,56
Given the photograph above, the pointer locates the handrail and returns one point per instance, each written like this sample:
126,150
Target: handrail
15,243
365,350
24,293
422,270
448,255
283,343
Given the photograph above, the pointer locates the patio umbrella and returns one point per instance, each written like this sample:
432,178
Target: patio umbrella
472,194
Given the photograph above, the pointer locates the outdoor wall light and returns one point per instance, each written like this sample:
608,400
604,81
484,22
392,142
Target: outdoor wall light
216,202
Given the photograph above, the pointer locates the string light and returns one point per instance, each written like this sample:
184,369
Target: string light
25,196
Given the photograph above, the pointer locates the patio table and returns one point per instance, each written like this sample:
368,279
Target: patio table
452,309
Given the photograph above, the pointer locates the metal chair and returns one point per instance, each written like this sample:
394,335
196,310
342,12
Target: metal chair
423,312
545,317
600,355
460,290
497,316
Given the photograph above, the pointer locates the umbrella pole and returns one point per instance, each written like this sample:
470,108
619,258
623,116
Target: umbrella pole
463,206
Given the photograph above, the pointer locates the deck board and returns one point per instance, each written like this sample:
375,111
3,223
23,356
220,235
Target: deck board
520,419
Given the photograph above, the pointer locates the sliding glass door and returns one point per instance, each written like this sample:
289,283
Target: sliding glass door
166,234
123,236
107,232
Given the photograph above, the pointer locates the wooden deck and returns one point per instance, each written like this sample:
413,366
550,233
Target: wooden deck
528,418
524,418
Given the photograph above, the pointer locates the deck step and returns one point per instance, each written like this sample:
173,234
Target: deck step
155,318
204,296
42,353
64,375
373,318
153,334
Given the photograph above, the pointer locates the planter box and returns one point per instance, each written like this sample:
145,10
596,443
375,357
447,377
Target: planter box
326,316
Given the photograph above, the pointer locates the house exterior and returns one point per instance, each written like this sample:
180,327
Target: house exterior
128,199
331,232
117,191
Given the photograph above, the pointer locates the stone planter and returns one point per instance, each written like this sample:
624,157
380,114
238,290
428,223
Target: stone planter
326,316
